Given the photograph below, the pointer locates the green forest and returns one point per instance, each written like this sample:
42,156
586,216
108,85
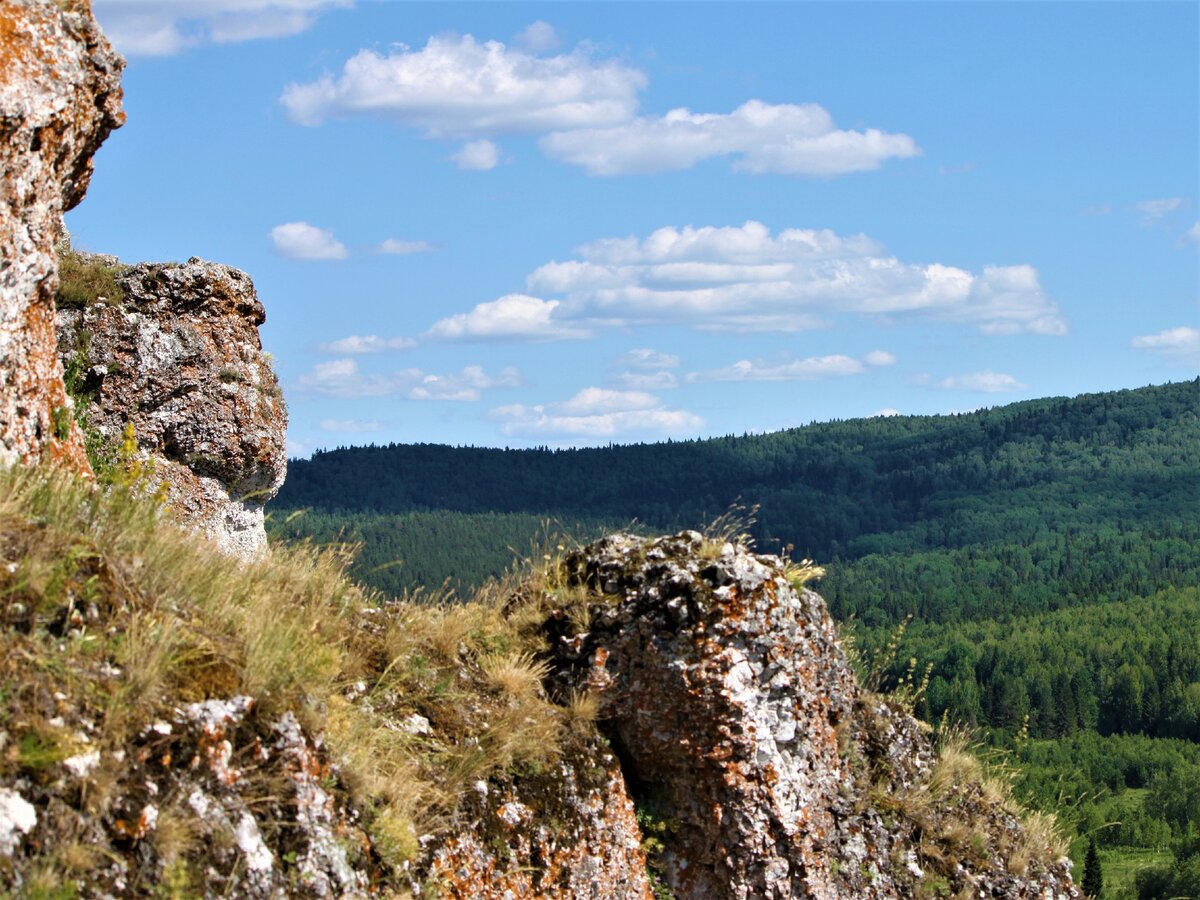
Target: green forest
1039,562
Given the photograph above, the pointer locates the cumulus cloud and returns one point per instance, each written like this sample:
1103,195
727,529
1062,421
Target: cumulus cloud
299,240
367,343
811,369
887,412
879,358
396,247
785,138
512,317
456,86
983,382
1181,345
597,413
477,156
167,27
351,426
747,279
343,378
1151,211
538,37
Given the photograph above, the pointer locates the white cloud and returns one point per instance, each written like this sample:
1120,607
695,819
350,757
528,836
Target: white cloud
811,369
879,358
983,382
887,412
784,138
1153,210
661,380
1192,235
645,358
405,248
512,317
538,37
167,27
458,87
367,343
1180,344
299,240
466,385
747,279
593,400
349,425
477,156
342,378
598,413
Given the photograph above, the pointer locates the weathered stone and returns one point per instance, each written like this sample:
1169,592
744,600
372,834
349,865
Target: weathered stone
60,96
743,730
179,358
570,831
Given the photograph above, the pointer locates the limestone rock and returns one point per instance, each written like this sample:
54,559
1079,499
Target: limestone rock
60,96
741,727
179,358
569,831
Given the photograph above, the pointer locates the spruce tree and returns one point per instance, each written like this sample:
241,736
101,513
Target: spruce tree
1093,878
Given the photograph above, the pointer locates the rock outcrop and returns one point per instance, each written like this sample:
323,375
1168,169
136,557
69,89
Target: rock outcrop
177,356
742,729
60,96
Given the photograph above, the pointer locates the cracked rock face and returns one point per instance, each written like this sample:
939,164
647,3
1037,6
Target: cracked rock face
569,831
60,96
179,359
741,728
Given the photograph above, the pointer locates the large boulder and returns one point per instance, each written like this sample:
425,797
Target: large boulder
176,356
765,769
60,96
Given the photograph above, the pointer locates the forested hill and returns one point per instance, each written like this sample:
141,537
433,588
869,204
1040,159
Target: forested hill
1048,552
834,490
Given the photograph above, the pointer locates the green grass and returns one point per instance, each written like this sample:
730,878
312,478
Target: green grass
1121,865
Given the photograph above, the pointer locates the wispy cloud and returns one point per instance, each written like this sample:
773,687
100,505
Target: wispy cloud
813,368
299,240
512,317
1178,345
760,137
477,156
350,426
598,413
168,27
343,378
456,86
982,382
395,247
748,279
1153,211
367,343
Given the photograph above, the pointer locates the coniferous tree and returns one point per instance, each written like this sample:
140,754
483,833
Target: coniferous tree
1093,878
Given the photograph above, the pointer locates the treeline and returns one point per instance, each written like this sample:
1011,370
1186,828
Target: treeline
1077,566
1125,667
1129,793
398,553
842,489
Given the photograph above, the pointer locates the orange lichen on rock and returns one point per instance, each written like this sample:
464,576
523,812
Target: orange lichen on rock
60,96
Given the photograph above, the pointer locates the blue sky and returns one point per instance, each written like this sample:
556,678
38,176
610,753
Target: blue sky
575,223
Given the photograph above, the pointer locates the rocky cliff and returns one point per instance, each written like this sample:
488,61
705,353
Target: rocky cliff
637,718
175,355
60,96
